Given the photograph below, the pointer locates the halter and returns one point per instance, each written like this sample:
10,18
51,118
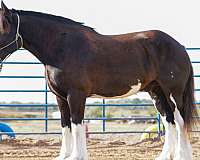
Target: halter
17,37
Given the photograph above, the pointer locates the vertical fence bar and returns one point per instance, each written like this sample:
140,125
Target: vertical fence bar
104,115
46,107
159,123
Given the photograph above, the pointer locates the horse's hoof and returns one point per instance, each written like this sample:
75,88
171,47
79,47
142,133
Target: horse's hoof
162,157
60,158
182,158
183,155
75,158
57,158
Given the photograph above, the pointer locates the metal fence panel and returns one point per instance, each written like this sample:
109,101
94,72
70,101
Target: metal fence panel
46,105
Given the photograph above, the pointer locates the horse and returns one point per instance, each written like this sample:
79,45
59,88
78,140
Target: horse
81,63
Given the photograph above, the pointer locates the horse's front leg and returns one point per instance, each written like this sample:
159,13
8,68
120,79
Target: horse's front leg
76,100
67,141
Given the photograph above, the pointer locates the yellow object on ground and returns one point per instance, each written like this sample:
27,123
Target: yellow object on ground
153,128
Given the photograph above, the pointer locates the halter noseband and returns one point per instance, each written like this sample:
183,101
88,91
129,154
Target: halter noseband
17,37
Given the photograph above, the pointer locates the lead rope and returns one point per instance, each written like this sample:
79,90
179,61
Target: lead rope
17,36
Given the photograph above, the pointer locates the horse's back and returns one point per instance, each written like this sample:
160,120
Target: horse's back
141,55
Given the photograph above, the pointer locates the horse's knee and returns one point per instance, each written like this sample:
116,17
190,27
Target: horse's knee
76,100
64,112
76,119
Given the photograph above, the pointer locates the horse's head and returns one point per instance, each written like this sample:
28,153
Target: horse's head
10,39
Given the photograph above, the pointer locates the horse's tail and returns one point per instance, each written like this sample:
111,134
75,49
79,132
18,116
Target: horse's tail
189,111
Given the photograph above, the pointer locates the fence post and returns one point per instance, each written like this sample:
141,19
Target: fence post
46,107
159,128
104,115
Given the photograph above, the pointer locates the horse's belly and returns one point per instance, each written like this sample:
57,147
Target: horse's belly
134,89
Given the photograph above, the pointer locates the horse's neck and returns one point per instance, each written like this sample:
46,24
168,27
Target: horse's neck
35,38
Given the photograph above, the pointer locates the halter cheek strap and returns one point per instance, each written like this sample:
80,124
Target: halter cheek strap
17,37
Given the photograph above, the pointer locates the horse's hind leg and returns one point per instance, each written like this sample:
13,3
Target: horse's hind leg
76,100
184,149
66,147
168,120
175,100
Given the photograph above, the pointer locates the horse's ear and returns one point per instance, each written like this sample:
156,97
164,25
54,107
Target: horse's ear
6,12
5,19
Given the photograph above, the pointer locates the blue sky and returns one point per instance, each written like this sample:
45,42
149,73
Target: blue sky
176,17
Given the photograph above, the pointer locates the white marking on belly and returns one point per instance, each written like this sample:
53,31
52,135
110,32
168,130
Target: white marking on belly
134,89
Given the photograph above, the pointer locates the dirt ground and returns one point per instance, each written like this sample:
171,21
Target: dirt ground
108,148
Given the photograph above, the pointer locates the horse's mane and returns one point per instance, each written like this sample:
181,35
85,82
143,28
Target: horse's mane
51,17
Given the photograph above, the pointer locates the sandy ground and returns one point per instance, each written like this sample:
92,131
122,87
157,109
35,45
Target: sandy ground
108,148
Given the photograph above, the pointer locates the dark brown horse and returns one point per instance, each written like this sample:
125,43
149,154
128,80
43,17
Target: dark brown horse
82,63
